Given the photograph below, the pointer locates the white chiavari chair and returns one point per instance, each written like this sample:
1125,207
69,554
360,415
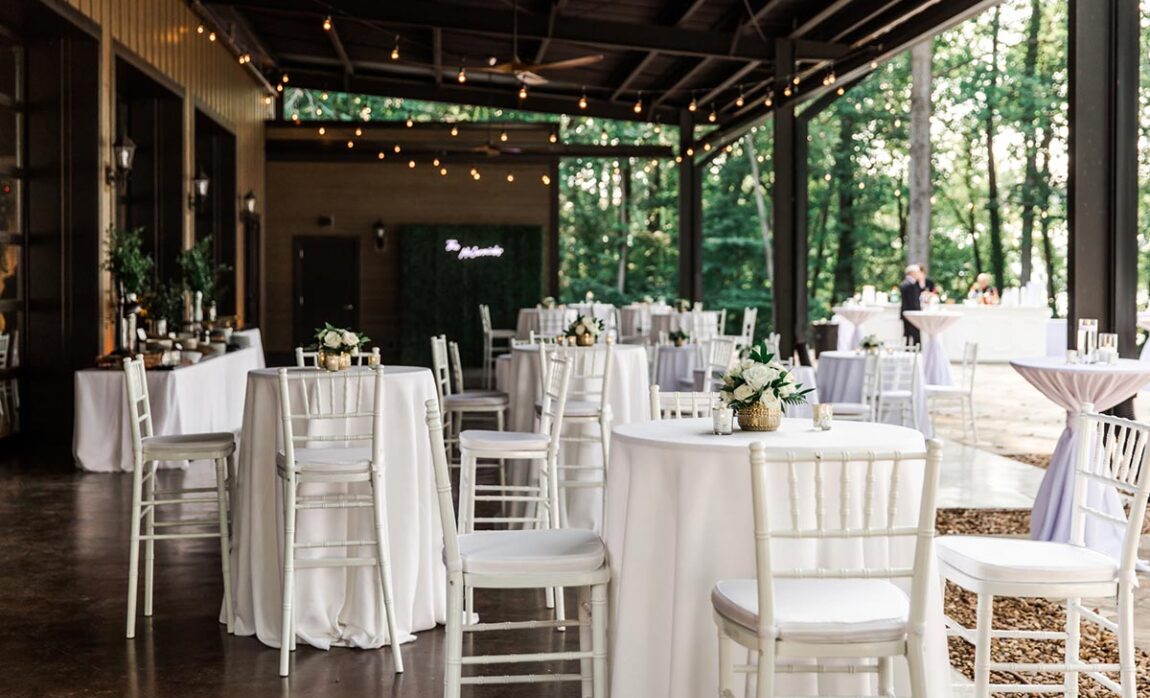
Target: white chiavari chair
681,405
310,357
332,427
747,332
529,503
1110,462
704,325
491,337
715,357
588,408
456,404
545,558
962,393
785,616
774,340
864,410
898,384
148,449
552,321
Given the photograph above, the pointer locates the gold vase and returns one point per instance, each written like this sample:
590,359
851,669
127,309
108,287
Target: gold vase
760,418
678,342
585,340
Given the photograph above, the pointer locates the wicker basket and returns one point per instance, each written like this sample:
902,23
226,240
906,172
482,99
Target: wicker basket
760,418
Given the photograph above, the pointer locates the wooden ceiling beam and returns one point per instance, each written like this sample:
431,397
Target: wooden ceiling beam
340,51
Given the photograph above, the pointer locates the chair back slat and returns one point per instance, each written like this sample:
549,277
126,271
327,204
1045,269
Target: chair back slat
898,370
139,404
969,364
456,365
552,321
435,428
439,367
310,357
590,371
682,405
747,334
485,318
1111,463
332,407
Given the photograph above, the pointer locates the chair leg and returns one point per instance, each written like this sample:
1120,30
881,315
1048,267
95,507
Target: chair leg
585,668
454,646
469,606
225,542
765,682
287,629
466,492
134,554
725,665
984,616
1073,631
885,677
599,639
916,661
150,543
383,559
1126,657
973,421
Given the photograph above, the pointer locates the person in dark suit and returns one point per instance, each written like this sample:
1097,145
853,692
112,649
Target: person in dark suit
910,291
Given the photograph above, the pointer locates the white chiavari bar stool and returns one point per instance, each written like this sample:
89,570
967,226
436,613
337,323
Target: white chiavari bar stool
806,613
587,407
898,383
530,502
491,346
681,405
548,558
310,357
1110,461
148,449
456,406
962,393
333,434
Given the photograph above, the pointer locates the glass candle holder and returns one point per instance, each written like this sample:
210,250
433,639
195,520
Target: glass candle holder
723,419
822,416
1087,339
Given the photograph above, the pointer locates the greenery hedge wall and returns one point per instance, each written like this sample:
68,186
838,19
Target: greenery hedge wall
440,293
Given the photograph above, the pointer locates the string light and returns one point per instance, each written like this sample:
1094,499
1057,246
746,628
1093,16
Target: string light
245,58
678,159
322,130
327,25
395,49
358,132
583,99
768,101
797,79
351,144
740,101
707,147
200,29
381,155
397,149
280,87
462,77
323,96
546,179
411,164
443,172
475,174
694,105
267,100
454,130
211,36
554,137
295,118
510,177
639,103
787,91
435,162
690,152
522,90
873,65
503,136
840,92
285,78
318,111
713,116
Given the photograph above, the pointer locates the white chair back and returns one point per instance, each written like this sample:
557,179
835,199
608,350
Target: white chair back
969,364
310,357
342,408
704,325
485,318
440,369
552,321
1112,455
898,371
5,343
590,371
870,380
848,498
681,405
306,357
139,405
773,342
750,316
456,365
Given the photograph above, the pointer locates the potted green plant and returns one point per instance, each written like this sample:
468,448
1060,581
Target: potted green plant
201,275
131,271
165,307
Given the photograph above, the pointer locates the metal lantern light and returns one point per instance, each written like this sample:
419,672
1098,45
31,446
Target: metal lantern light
123,153
200,184
249,202
379,231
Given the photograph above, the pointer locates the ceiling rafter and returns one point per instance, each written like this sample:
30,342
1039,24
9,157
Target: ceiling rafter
636,68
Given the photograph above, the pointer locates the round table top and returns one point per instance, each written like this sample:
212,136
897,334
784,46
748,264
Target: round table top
388,370
794,435
1059,365
858,313
934,321
842,355
534,348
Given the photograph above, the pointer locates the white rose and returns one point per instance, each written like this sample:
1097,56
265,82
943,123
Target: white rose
744,392
725,396
787,390
767,399
332,339
758,375
746,363
350,338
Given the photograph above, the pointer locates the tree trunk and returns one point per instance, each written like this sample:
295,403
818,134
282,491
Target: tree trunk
1044,221
820,234
761,206
844,286
1029,129
997,255
624,226
921,190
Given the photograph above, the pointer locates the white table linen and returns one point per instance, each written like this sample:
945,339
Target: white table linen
1069,386
840,379
629,397
932,323
635,320
673,321
851,321
502,372
204,397
679,519
339,607
675,363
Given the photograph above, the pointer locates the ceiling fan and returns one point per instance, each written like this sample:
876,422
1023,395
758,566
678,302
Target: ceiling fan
528,73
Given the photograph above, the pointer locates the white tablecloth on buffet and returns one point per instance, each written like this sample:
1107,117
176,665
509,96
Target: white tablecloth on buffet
840,379
203,397
932,323
1069,386
679,519
851,320
630,400
339,606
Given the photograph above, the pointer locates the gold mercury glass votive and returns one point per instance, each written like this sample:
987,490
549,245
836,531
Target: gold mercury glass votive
760,418
822,416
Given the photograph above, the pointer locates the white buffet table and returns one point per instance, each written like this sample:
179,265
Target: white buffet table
203,397
679,519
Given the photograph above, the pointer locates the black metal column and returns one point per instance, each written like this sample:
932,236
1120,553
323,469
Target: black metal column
1103,177
789,162
690,213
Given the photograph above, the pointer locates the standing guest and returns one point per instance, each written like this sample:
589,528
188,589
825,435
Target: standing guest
927,282
982,290
910,291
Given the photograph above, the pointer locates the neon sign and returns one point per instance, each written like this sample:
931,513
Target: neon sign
471,251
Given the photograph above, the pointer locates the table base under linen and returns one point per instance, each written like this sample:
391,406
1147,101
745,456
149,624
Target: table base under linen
339,607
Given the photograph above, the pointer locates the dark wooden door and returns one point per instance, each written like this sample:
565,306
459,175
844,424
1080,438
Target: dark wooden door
326,284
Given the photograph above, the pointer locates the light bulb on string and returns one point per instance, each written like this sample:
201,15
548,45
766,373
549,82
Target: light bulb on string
553,138
503,136
694,105
768,101
327,24
358,132
285,78
267,99
397,149
690,152
322,130
462,76
410,122
351,144
583,100
295,118
873,65
211,36
411,164
797,79
510,177
678,159
435,162
840,92
280,87
318,111
740,101
639,103
454,130
546,179
443,172
395,49
707,147
522,90
787,91
381,155
475,175
323,96
713,116
200,29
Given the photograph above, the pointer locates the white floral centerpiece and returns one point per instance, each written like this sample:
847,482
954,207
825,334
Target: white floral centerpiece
335,346
759,388
585,330
871,343
548,302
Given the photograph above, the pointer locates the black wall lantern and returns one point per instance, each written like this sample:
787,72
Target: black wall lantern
200,184
380,232
249,203
123,153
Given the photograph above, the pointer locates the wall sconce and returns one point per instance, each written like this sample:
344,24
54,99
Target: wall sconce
200,184
380,232
123,153
249,203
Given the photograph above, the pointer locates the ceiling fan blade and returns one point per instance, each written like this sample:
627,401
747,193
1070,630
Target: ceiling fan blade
499,69
530,78
569,63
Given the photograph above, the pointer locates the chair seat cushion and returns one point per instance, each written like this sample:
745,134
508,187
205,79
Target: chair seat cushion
491,440
527,552
330,458
849,408
503,334
1000,558
895,394
463,401
945,390
820,610
190,446
574,408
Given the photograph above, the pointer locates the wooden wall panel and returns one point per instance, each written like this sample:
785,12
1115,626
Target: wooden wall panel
162,33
